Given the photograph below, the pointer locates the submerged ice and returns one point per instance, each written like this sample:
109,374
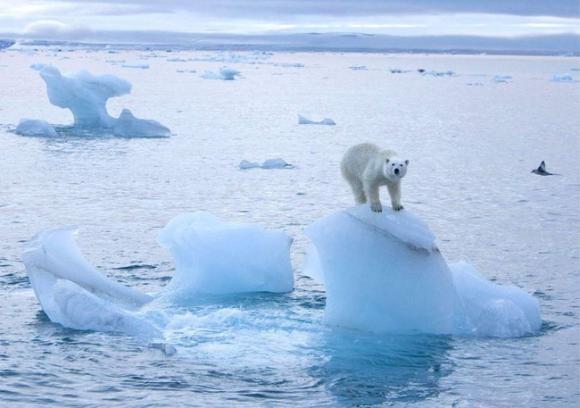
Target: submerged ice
384,273
86,95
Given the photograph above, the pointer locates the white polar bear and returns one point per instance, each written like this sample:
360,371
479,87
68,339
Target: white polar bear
366,168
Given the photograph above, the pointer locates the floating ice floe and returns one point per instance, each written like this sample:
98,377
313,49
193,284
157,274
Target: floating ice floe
74,294
127,125
502,78
383,273
398,71
136,66
359,68
438,73
86,96
213,257
474,84
563,78
326,121
267,164
226,74
35,127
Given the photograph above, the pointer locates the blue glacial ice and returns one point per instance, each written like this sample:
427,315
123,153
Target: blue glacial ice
35,127
86,96
217,258
305,121
384,273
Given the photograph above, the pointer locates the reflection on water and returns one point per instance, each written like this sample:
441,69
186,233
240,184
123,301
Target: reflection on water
367,370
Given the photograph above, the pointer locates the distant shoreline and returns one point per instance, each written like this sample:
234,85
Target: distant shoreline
554,45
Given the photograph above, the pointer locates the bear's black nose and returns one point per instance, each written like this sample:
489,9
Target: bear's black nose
396,171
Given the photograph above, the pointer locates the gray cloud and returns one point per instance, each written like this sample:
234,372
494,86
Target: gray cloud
259,9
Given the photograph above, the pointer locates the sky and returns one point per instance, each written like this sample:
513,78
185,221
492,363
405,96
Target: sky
81,19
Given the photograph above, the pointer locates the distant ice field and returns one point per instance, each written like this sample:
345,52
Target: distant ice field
471,141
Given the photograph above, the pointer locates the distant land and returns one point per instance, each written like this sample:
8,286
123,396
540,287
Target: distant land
562,44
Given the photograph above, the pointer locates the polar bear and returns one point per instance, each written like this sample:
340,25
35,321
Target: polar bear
366,168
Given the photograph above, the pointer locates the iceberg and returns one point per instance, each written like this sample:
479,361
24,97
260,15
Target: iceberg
226,74
326,121
245,165
384,273
35,127
74,294
86,96
216,258
129,126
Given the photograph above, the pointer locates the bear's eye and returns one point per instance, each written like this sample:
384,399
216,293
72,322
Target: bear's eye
393,164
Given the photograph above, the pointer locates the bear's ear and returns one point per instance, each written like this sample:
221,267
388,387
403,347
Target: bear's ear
407,162
386,161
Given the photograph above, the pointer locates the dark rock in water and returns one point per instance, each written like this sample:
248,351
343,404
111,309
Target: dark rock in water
541,170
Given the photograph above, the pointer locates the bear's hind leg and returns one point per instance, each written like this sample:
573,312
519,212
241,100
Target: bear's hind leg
359,193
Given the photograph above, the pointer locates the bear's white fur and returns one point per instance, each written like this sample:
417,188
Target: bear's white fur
366,168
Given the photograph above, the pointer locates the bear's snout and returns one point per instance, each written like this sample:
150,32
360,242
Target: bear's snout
397,171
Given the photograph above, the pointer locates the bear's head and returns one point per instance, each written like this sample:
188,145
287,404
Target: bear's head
394,169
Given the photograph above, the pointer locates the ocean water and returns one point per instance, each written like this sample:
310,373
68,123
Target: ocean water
471,149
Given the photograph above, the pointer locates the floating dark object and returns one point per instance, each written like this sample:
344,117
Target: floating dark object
541,170
421,71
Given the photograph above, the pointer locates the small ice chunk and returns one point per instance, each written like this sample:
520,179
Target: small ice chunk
502,78
129,126
562,78
213,257
276,164
226,74
136,66
359,68
326,121
245,165
35,127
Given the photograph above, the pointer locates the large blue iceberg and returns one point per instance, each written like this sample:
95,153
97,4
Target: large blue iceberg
383,272
86,95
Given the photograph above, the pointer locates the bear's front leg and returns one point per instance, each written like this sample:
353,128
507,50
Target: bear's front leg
372,192
395,193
